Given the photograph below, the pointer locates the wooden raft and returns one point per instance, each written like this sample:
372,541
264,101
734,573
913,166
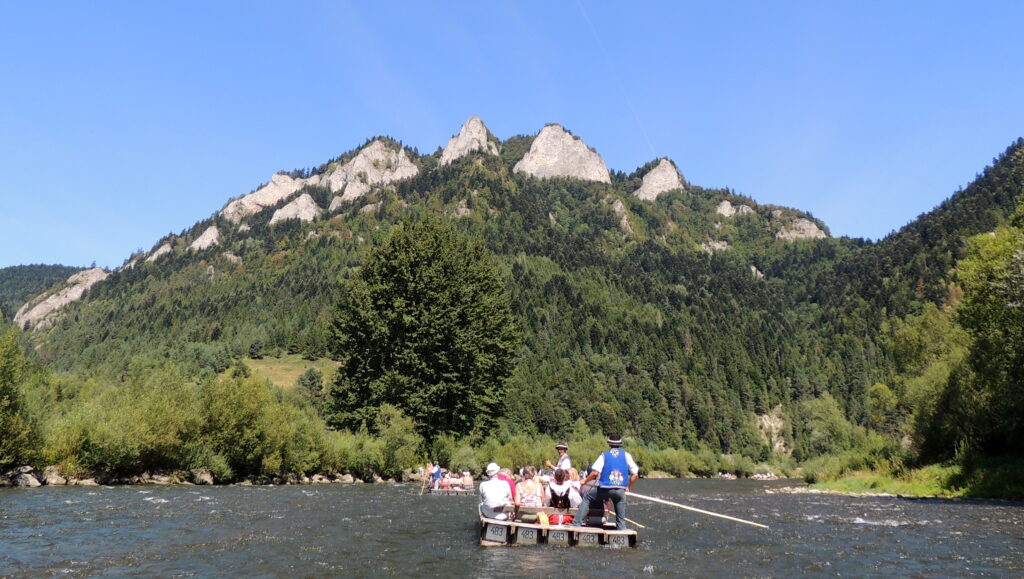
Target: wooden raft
515,531
451,491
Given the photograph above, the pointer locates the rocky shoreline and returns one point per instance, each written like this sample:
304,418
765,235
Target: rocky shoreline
806,490
27,477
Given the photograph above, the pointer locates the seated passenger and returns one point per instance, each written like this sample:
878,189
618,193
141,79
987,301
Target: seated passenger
494,495
561,492
529,492
467,481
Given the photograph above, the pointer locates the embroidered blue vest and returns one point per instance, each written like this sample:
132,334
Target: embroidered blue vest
615,473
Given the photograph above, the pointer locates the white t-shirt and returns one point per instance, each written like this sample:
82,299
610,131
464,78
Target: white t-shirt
494,495
564,462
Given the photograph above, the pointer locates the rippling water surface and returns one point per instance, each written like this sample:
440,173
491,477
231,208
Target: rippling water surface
377,529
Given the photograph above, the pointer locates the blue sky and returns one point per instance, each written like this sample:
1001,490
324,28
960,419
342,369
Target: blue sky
121,122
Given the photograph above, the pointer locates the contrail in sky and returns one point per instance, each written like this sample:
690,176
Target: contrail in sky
629,102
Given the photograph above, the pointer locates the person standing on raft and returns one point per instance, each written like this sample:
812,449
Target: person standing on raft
563,462
616,472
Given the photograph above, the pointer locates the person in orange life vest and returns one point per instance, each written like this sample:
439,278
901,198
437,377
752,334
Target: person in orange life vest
615,471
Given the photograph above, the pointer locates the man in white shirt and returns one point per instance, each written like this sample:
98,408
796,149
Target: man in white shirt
616,472
495,495
564,462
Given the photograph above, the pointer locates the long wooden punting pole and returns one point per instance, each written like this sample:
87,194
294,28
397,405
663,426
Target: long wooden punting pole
702,511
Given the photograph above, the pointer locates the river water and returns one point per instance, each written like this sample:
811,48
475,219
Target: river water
361,530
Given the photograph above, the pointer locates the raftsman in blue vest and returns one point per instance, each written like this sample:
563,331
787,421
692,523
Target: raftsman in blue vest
615,474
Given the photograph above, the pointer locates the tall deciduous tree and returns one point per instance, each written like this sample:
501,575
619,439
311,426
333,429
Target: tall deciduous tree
15,427
993,313
425,326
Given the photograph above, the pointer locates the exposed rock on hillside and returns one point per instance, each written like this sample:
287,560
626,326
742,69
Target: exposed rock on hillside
770,427
557,153
278,189
376,164
473,137
620,209
42,311
713,246
303,208
162,250
801,228
727,209
209,238
662,178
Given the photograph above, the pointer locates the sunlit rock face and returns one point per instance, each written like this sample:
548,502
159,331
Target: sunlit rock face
159,252
44,309
209,238
376,164
662,178
303,208
557,153
278,189
727,209
473,137
801,228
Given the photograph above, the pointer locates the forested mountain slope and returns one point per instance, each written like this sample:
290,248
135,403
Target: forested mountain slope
673,318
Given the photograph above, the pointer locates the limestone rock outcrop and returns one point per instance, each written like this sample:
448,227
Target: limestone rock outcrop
620,209
303,208
208,238
801,228
376,164
162,250
662,178
42,311
557,153
473,137
714,245
278,189
727,209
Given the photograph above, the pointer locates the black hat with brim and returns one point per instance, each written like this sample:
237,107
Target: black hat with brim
614,440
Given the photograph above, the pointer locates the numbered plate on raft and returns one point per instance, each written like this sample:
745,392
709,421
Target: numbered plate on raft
526,536
558,537
496,533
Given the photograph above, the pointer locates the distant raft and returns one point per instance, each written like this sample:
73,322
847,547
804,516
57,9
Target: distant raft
451,491
524,526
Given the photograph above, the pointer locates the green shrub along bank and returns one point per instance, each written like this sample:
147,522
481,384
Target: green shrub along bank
237,427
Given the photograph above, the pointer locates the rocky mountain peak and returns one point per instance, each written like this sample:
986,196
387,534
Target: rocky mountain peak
376,164
473,137
557,153
663,177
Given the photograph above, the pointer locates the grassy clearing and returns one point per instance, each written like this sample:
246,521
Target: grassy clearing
284,371
987,478
931,481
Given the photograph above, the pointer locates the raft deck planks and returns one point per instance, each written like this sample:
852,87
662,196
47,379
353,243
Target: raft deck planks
495,532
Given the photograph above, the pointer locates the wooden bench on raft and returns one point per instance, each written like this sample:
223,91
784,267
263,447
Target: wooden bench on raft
524,526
